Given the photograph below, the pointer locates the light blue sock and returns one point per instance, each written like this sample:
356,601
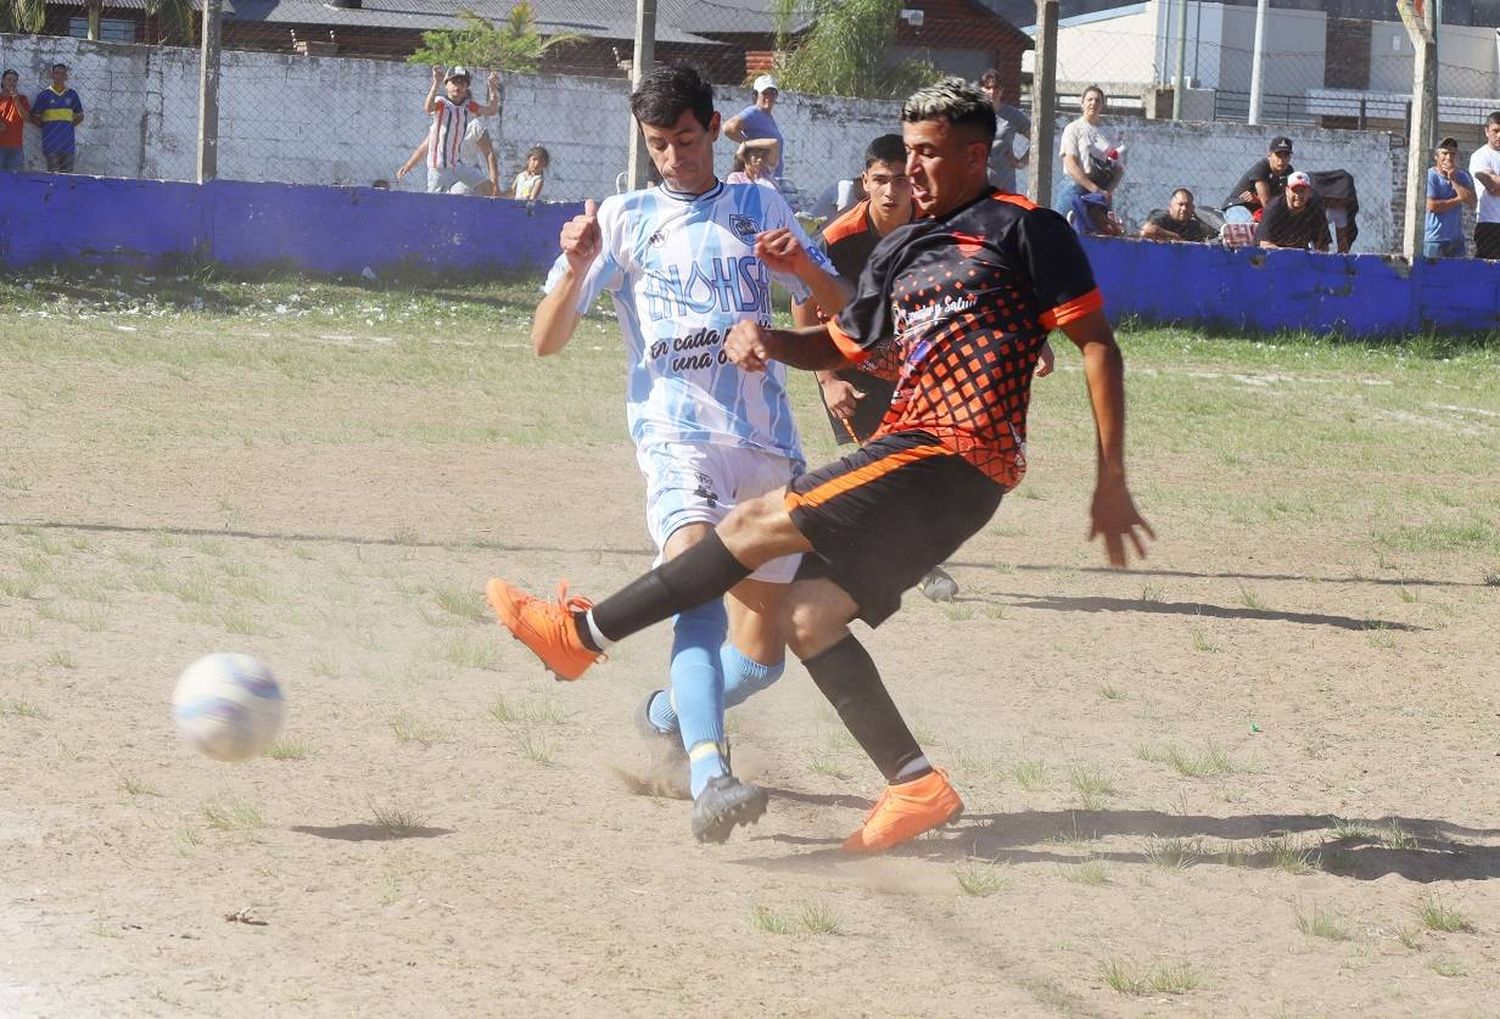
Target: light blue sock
661,712
743,676
698,689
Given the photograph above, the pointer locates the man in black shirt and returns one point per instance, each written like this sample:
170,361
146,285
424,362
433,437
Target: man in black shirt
1179,223
1296,219
1265,180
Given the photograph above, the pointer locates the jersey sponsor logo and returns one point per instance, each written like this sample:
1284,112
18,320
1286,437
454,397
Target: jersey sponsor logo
730,285
928,313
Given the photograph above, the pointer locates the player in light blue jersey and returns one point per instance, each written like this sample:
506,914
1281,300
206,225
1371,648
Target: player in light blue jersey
684,262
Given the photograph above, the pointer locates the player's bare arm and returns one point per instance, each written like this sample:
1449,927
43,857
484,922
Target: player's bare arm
734,129
1490,182
416,157
430,105
557,315
1113,513
840,397
752,346
781,251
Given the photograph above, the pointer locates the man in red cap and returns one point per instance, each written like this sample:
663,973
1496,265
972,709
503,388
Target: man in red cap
1296,219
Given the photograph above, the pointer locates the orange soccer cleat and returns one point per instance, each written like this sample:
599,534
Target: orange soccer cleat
906,810
544,626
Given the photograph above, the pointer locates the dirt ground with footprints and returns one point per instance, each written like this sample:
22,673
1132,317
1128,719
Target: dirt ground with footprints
1258,775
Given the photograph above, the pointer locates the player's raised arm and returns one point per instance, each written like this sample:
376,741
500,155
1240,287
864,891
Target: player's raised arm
557,315
430,104
783,251
1113,513
491,104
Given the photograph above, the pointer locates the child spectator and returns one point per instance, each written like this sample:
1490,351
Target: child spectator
15,111
451,114
528,183
755,163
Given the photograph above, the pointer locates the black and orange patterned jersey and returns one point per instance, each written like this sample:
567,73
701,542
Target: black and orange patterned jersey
956,310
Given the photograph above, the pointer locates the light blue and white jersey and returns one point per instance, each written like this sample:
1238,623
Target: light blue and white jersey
682,271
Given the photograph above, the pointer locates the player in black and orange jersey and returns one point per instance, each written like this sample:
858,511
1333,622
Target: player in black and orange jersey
856,400
955,306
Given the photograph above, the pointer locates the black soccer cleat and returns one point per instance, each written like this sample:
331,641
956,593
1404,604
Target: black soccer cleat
725,804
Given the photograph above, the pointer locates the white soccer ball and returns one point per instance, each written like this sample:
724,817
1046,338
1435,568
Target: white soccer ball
227,706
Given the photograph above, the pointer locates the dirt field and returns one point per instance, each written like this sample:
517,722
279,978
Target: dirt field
1257,776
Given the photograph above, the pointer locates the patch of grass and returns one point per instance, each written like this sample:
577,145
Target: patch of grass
818,917
1448,968
463,602
1164,978
62,659
825,763
1410,936
1318,922
1153,592
1442,536
1204,641
287,749
535,747
397,820
1173,853
407,729
471,653
528,711
1281,852
762,918
1093,787
1030,775
325,667
981,878
235,816
1407,595
132,786
1351,831
22,709
1393,836
1437,915
1091,873
1209,762
1250,600
1113,693
20,587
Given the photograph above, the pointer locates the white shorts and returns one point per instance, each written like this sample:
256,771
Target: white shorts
688,483
445,178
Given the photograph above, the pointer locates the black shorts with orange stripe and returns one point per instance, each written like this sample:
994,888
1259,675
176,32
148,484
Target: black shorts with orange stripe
883,516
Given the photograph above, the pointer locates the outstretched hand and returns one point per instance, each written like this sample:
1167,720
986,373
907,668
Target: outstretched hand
1114,516
581,240
780,250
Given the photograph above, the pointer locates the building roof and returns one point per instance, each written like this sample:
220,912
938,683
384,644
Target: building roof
553,17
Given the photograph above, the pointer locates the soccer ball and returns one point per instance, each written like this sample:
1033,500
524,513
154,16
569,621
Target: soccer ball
227,706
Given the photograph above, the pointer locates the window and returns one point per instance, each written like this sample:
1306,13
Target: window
110,29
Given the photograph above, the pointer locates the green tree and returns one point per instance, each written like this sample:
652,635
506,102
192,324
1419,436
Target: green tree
513,45
847,51
22,15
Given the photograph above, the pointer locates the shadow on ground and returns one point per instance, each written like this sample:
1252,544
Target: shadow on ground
369,832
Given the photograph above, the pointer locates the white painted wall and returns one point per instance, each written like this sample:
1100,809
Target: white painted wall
329,120
1466,60
1119,49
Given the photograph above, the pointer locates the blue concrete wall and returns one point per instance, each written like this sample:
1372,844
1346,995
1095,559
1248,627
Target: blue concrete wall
97,220
241,225
1251,288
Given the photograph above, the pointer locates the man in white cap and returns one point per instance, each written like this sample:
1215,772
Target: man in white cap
1295,219
757,121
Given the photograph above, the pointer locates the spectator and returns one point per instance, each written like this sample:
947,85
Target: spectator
1179,222
475,171
1448,191
15,111
757,121
1296,219
451,115
1011,126
755,162
1484,166
527,187
1261,183
1091,216
58,111
1092,163
836,197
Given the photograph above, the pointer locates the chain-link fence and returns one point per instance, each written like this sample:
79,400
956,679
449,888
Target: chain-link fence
334,93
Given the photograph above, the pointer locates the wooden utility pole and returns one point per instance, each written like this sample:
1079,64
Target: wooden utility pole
208,92
640,64
1421,27
1043,104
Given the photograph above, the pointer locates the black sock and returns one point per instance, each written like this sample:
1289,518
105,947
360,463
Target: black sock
701,574
848,678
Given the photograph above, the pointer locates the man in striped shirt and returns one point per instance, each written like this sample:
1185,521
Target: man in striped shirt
451,114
